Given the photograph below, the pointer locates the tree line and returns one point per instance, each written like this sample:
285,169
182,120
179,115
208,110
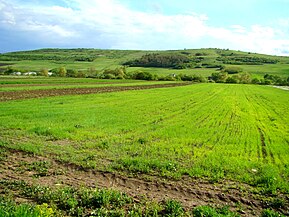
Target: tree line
246,60
232,75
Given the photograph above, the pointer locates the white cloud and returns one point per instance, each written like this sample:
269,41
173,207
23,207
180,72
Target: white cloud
283,22
6,15
239,29
109,24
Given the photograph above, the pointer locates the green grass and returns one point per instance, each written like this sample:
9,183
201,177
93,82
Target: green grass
258,71
212,131
57,80
38,83
163,72
36,65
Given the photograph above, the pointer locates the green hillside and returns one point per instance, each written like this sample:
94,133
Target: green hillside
202,62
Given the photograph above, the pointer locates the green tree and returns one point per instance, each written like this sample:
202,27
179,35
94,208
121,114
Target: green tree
62,71
81,74
233,69
232,80
117,72
255,81
140,75
9,70
219,77
245,78
44,72
91,71
71,73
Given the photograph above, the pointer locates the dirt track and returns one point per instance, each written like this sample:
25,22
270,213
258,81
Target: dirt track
28,94
191,192
282,87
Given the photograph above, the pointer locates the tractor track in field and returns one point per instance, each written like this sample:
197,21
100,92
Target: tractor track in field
29,94
190,192
263,145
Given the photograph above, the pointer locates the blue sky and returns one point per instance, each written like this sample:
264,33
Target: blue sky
250,25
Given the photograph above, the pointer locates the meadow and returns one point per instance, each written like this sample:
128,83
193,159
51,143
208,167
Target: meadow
213,133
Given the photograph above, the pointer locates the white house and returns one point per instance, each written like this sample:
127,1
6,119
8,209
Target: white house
16,73
30,73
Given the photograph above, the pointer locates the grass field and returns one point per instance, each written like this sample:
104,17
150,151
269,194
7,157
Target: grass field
212,132
10,83
201,130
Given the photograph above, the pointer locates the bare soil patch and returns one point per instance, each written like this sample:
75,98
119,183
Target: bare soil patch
28,94
6,64
191,192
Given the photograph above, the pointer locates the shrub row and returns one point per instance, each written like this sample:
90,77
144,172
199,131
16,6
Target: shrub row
231,74
245,78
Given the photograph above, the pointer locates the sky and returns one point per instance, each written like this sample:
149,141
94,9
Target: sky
260,26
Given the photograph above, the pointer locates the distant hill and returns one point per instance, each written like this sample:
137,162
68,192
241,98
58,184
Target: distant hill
188,61
203,56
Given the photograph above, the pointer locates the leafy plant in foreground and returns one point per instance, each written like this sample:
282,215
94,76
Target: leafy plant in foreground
270,213
207,211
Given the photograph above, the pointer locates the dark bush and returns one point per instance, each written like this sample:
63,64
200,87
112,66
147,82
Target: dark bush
232,80
256,81
195,78
140,75
219,77
71,73
233,70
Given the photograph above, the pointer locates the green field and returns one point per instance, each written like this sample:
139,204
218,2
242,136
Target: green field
204,130
36,83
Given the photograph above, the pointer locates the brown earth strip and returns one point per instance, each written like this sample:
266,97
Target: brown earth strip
263,145
282,87
6,64
28,94
272,157
191,192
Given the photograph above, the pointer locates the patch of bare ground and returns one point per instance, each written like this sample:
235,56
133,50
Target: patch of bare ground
28,94
190,192
6,64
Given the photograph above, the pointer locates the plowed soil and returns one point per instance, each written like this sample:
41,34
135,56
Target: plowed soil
28,94
191,192
6,64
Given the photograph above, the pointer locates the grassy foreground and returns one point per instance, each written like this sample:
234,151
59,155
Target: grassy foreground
94,202
212,131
